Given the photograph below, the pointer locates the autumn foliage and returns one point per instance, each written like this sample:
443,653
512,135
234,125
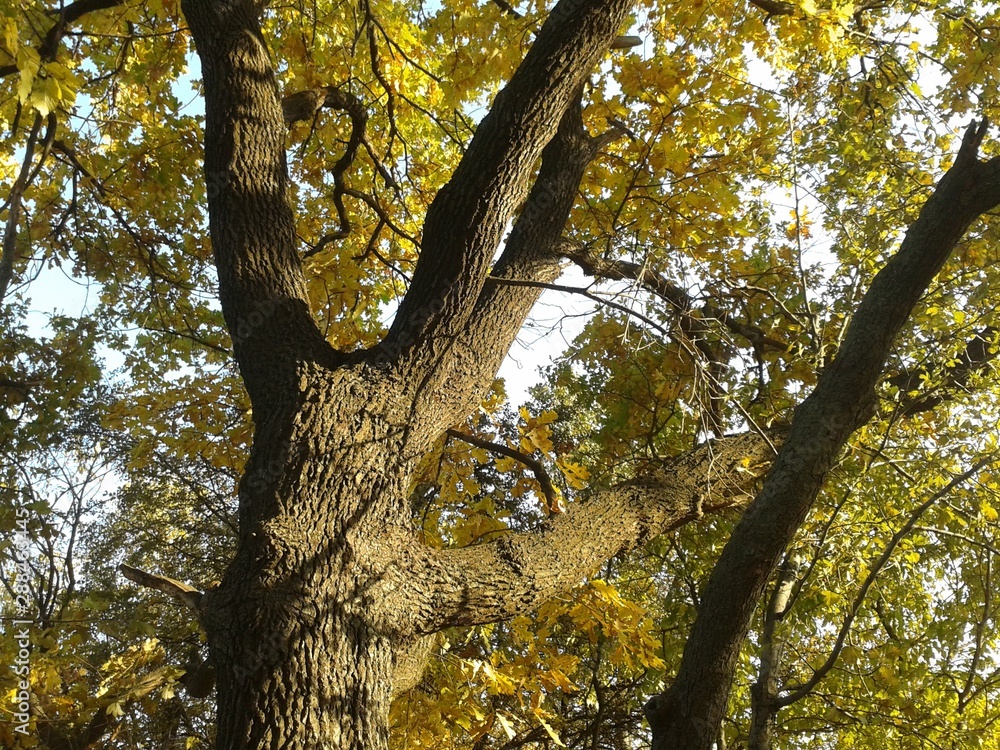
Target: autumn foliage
751,166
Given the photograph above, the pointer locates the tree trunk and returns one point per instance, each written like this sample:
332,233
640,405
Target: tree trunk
328,582
302,638
687,716
764,692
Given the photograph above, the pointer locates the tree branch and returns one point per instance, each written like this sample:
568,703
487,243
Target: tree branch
8,253
508,9
305,105
688,715
980,350
794,693
467,218
530,260
187,595
544,480
518,572
696,331
763,692
776,7
261,285
674,295
583,292
70,14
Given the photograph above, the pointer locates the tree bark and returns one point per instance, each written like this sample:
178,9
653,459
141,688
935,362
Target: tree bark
688,714
764,692
328,586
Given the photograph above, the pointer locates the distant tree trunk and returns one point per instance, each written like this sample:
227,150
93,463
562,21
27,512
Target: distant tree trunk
688,714
764,692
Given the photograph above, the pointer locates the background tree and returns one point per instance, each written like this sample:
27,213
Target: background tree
373,513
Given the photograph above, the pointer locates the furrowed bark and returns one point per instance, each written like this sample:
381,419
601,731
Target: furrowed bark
515,574
261,286
688,714
466,220
530,254
300,656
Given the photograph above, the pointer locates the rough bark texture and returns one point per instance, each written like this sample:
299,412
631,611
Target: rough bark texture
688,715
330,600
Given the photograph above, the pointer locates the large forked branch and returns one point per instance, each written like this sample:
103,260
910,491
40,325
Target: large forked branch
531,253
688,715
515,574
261,285
467,218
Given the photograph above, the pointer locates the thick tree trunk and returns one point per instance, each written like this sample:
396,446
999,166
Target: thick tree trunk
300,632
309,683
303,659
305,627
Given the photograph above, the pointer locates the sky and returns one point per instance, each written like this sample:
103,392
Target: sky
556,320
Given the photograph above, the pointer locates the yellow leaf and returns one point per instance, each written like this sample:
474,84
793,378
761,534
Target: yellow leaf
576,474
829,597
10,36
550,731
28,63
46,96
506,726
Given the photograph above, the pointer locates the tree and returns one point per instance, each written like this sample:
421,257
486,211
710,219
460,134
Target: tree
330,597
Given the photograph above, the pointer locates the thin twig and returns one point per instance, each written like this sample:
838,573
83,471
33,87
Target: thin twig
548,489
